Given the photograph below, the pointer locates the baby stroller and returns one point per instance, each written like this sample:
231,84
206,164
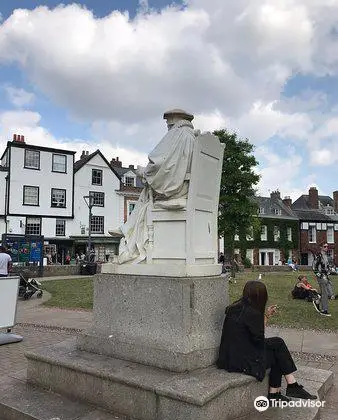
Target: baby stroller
28,287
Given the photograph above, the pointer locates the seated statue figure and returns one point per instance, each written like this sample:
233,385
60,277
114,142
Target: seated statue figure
166,184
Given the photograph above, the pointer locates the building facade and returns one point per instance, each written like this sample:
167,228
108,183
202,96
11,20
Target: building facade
278,237
130,187
318,223
39,190
43,191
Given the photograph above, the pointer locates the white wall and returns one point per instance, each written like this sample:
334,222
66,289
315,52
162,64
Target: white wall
45,179
82,186
47,226
3,175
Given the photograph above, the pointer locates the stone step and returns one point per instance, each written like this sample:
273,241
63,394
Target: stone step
149,393
22,401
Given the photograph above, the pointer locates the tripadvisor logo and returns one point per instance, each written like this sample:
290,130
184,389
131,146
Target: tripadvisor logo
262,403
297,403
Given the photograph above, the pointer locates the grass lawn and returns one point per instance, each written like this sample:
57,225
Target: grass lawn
292,312
70,293
78,294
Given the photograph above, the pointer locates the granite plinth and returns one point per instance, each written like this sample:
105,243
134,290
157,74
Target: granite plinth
169,322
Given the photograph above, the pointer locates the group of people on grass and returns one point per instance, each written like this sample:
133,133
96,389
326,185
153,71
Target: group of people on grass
304,290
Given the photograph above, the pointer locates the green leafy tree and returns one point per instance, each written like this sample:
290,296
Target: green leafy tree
237,209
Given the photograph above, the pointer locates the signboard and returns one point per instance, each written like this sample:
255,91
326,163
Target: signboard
8,300
25,249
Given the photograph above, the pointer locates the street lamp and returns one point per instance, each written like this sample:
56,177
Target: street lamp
89,200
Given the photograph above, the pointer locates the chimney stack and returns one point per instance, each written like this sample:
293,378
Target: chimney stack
335,201
83,154
131,167
275,195
116,163
313,198
287,201
18,138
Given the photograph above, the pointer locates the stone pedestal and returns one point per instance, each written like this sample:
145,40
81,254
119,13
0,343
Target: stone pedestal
168,322
146,357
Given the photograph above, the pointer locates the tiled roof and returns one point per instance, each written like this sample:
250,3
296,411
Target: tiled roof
80,163
269,204
122,170
302,203
312,215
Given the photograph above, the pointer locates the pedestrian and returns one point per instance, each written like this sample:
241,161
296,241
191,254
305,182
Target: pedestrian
245,349
67,258
321,268
5,262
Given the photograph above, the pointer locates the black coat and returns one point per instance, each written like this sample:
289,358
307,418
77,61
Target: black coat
242,342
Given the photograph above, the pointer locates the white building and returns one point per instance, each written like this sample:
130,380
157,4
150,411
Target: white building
39,195
42,192
93,175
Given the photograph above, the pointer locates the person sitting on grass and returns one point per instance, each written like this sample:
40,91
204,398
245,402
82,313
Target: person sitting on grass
244,348
304,290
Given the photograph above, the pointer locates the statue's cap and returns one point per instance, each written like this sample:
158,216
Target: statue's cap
179,113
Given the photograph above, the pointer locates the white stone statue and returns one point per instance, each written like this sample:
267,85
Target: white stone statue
165,184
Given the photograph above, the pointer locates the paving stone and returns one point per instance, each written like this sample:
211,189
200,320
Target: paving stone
325,365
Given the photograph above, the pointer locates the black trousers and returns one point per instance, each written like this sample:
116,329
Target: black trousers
278,359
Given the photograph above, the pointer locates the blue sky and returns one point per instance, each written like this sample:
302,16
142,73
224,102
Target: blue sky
86,76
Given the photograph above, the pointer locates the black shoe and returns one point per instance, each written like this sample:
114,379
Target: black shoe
277,396
325,313
297,391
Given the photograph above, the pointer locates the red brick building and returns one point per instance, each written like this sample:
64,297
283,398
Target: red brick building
318,222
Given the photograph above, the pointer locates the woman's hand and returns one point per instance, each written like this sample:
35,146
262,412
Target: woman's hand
271,310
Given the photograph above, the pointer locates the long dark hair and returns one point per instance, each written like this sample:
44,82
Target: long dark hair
255,294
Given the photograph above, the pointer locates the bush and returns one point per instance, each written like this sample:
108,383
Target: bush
247,263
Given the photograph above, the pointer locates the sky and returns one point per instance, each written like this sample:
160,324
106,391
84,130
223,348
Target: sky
101,73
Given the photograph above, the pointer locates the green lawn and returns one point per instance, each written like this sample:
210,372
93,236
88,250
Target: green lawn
78,294
70,293
292,313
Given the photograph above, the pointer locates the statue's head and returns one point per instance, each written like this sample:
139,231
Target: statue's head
175,115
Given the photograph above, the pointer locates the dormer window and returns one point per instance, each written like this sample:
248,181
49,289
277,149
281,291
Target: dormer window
277,211
329,210
129,181
261,210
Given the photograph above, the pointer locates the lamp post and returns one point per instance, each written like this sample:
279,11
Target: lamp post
89,200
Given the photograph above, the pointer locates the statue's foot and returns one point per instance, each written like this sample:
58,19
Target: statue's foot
114,232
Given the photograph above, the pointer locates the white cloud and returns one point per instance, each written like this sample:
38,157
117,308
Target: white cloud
227,62
28,123
280,172
323,157
19,97
209,55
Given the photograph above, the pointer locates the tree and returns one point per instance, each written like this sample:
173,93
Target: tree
237,209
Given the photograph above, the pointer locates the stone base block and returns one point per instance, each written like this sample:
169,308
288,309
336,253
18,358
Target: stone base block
148,393
22,401
170,322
